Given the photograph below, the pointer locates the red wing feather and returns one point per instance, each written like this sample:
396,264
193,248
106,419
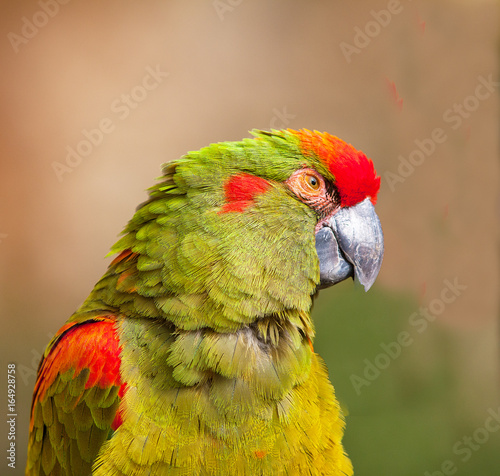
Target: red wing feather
81,368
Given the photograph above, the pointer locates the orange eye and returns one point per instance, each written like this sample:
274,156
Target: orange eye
307,184
312,181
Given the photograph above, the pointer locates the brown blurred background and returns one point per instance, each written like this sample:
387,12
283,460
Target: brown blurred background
379,74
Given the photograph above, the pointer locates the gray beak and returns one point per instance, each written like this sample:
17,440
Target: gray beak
350,244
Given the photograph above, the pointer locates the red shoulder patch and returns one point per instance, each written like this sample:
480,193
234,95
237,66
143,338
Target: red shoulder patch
240,191
92,344
354,173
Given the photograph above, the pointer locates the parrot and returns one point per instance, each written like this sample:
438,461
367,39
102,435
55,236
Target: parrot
193,354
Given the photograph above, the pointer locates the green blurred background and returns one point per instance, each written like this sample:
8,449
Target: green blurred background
384,75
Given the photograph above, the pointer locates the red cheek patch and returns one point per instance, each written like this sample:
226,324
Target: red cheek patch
240,191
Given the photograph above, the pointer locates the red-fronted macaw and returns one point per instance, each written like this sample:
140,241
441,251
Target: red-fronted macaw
193,353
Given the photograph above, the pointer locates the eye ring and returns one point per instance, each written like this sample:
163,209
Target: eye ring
307,184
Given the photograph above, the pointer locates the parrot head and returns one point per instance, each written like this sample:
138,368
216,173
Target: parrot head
242,230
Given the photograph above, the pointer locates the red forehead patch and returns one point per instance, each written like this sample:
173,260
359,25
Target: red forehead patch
354,173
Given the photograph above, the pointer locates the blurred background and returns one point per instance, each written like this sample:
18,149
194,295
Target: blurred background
96,95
